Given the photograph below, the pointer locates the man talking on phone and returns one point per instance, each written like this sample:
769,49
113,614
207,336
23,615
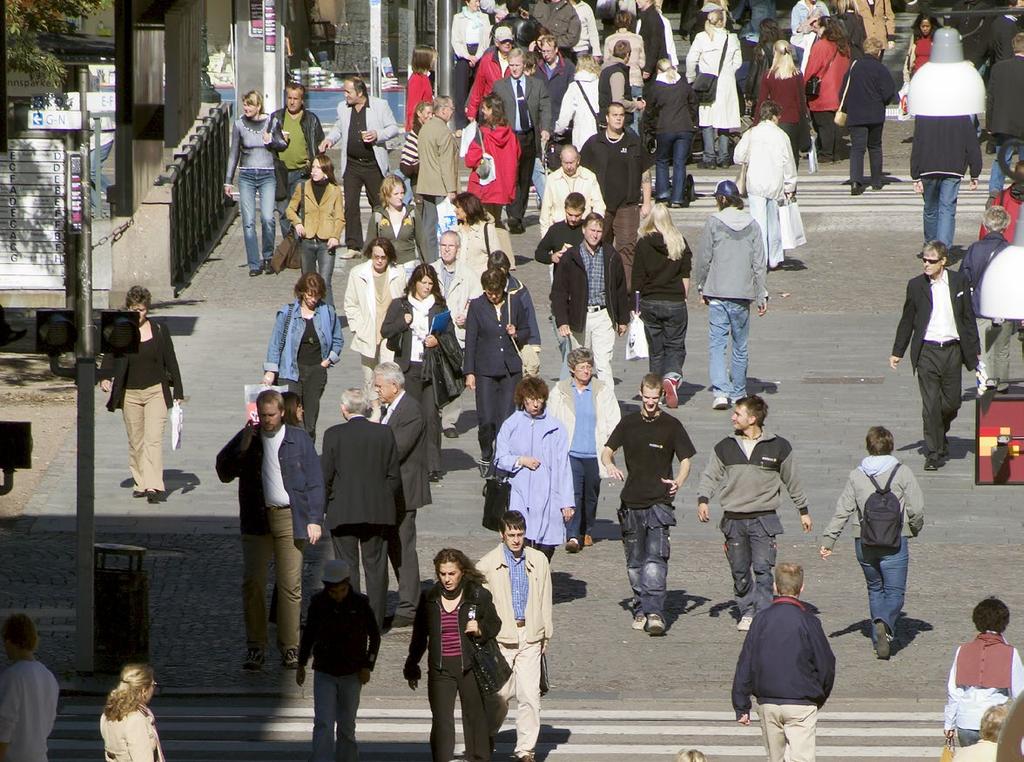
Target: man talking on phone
281,506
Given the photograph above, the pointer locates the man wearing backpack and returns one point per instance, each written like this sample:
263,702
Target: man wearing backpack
885,502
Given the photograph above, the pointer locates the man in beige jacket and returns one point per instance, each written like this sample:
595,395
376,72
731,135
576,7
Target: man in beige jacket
438,177
519,579
569,178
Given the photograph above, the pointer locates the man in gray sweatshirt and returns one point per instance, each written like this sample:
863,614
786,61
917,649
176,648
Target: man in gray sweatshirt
748,471
730,273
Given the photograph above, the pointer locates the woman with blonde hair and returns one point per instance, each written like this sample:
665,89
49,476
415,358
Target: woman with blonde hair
661,279
716,50
127,725
576,106
396,221
784,84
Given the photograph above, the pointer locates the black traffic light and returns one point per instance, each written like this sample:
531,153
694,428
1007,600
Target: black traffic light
56,332
119,332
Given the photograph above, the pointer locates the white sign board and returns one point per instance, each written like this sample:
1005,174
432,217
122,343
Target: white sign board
54,120
33,214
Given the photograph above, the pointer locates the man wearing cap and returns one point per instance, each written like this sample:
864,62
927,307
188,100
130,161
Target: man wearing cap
493,65
730,273
519,578
342,636
939,326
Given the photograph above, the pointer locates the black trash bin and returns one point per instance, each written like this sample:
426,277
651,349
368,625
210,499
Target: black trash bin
121,623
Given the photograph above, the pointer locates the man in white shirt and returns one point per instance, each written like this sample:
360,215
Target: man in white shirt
939,326
570,178
458,286
28,695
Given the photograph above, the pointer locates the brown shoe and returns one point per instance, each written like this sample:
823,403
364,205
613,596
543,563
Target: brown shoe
587,540
573,546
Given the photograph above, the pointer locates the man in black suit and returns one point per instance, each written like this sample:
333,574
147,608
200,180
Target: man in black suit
363,480
403,415
528,108
939,326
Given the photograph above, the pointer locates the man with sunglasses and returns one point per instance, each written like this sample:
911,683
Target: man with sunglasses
939,326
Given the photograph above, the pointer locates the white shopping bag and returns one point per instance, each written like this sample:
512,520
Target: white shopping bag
903,106
636,338
446,219
791,225
812,155
468,134
177,420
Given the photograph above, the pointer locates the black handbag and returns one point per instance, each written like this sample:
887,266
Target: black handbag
545,675
497,493
489,667
706,85
812,87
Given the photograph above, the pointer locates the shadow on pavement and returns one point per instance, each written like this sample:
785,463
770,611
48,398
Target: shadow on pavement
567,588
907,628
679,603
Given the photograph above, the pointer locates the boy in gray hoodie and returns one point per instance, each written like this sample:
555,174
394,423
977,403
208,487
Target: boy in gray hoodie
731,273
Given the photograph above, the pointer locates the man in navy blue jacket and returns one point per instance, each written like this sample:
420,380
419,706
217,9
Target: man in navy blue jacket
281,506
787,663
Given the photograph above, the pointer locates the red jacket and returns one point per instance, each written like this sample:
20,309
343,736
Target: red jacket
1010,199
488,71
417,91
831,75
788,93
501,143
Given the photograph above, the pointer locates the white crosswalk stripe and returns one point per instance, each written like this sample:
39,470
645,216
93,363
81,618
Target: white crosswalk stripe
204,731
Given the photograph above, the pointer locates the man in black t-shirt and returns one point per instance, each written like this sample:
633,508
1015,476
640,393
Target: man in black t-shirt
650,441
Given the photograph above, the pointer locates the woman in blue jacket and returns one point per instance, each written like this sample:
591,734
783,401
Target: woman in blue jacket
306,341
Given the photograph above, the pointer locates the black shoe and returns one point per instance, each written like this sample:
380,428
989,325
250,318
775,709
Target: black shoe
435,476
290,660
401,622
679,204
724,163
155,496
931,463
856,189
882,639
267,268
704,164
516,227
451,432
876,187
253,660
254,273
139,493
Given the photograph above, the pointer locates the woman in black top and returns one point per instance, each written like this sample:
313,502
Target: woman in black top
661,279
673,105
452,618
140,386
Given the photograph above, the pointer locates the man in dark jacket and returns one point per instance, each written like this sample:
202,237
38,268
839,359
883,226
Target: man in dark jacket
944,148
651,28
342,636
281,502
1006,110
974,30
363,481
787,663
1004,28
554,70
868,87
589,299
405,417
938,325
296,134
561,21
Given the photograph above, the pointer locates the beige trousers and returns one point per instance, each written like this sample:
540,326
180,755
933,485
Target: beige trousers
599,337
789,725
525,686
145,416
257,550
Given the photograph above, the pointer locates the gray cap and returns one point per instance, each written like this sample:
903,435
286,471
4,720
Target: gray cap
336,571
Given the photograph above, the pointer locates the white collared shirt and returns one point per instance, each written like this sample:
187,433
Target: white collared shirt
391,407
941,326
274,492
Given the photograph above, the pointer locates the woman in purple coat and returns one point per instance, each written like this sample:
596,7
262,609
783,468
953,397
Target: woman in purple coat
533,449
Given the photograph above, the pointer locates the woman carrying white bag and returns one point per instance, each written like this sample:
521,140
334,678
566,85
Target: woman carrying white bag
770,176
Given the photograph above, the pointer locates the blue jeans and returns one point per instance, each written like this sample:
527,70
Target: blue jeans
295,176
586,485
750,548
249,183
886,575
665,328
967,737
710,154
316,257
759,11
645,538
728,318
673,147
335,702
996,176
940,194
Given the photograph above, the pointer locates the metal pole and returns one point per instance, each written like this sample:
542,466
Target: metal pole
444,46
85,380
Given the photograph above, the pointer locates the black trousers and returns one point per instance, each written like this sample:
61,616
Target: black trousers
494,403
867,136
938,378
794,133
462,82
401,540
421,389
310,388
524,176
352,540
443,685
830,144
358,177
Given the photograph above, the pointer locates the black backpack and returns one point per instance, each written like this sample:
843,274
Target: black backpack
881,523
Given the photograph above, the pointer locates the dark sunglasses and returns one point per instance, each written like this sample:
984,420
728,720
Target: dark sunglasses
930,261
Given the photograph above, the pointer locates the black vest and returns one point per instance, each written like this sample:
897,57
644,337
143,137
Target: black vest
604,89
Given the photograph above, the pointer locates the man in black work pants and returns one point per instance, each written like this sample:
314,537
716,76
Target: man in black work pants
938,324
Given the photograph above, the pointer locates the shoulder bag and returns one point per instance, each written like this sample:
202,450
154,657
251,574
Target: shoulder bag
485,173
489,667
840,117
812,87
288,254
706,85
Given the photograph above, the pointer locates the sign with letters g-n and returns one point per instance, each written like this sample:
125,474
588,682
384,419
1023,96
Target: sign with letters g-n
33,214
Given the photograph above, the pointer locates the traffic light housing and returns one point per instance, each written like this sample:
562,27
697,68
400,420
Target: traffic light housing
119,332
56,332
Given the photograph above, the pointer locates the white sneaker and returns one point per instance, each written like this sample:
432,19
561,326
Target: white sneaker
655,625
745,621
720,403
639,622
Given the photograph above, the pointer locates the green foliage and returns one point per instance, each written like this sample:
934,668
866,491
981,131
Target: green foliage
28,18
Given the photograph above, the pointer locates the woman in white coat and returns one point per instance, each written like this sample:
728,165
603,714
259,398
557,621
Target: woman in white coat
371,288
721,116
576,105
127,726
771,176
